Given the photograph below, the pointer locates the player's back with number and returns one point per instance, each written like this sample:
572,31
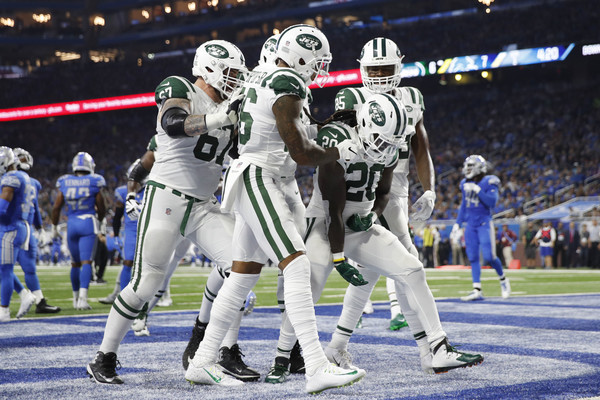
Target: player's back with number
19,208
193,165
80,192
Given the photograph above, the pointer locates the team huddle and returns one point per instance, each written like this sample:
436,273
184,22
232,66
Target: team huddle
356,221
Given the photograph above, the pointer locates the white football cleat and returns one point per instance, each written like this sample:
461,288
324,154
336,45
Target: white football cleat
4,314
369,308
446,357
341,358
473,296
165,301
427,363
505,288
82,304
27,300
205,372
330,376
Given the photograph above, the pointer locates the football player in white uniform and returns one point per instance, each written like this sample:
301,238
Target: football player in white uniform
272,139
347,200
195,126
380,66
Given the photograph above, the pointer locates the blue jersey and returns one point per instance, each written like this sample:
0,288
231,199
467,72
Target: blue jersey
35,218
22,201
80,192
121,196
476,208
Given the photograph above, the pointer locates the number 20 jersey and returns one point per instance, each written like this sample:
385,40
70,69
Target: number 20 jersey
412,99
259,139
192,165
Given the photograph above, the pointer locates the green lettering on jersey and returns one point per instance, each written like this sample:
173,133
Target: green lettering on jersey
173,87
347,99
331,135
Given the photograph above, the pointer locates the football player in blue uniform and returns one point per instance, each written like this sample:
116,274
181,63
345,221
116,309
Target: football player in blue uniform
16,201
479,196
28,255
82,192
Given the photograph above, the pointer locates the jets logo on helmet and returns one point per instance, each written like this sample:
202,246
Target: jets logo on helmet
376,114
305,49
309,42
221,64
267,53
474,165
382,123
217,51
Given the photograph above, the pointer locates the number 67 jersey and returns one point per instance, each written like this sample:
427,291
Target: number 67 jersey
192,165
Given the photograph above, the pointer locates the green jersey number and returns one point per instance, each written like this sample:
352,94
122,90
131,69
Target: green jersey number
361,189
206,147
245,117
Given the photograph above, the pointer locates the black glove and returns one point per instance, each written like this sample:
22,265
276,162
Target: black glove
361,224
347,117
349,273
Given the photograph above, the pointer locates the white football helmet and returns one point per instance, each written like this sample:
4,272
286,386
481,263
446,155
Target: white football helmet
83,162
221,64
380,52
268,53
382,122
7,159
474,165
306,50
24,158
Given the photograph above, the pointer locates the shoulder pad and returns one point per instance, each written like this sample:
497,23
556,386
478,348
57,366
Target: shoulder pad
415,98
286,81
332,134
173,87
100,182
10,180
349,99
493,180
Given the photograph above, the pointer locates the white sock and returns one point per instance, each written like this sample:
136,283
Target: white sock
354,303
280,288
233,332
83,294
213,285
301,312
121,316
287,338
395,309
38,296
225,308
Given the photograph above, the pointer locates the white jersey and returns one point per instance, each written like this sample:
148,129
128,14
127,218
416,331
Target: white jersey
353,98
259,139
191,165
361,177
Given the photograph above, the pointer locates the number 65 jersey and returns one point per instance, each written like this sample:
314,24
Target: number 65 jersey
192,165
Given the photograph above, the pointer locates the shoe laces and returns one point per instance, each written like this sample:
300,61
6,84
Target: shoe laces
277,369
109,364
235,353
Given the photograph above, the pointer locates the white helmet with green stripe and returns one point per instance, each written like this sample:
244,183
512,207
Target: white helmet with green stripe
380,52
268,53
306,50
382,122
221,64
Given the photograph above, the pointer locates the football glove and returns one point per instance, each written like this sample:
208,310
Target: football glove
361,224
471,187
226,118
132,207
349,273
423,207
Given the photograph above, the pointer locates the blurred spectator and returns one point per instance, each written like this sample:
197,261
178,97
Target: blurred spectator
584,240
546,237
559,258
530,247
506,238
574,245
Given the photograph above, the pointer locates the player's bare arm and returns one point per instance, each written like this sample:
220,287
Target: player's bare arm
101,204
287,111
423,161
333,189
382,193
7,193
58,203
140,171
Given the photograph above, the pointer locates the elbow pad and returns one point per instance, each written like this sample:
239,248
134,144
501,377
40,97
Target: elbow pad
172,122
138,172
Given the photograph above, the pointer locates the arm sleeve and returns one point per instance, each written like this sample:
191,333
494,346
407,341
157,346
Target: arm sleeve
116,224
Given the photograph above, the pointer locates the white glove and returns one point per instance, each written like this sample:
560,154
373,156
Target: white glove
455,228
228,117
423,207
349,150
55,232
132,207
471,187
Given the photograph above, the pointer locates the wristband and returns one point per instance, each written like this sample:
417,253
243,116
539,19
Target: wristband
338,257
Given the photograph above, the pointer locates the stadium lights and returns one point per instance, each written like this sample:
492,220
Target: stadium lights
7,22
167,9
486,2
99,21
192,6
41,18
485,74
145,14
458,77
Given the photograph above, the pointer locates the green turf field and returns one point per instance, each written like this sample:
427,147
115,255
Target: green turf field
187,286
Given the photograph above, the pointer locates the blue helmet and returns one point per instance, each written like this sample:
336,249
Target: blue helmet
83,162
